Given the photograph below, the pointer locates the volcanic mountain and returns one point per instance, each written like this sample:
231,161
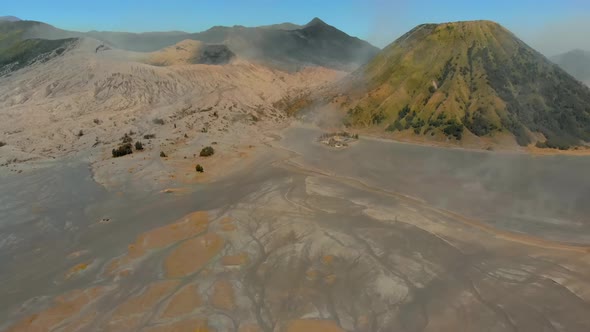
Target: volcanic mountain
476,79
285,46
576,63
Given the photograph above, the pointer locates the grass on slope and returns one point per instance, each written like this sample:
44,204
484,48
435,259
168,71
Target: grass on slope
22,53
480,77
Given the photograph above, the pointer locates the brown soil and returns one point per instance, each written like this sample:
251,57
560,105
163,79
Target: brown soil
183,302
228,227
188,226
128,314
313,325
192,325
235,260
192,255
223,295
249,327
76,269
80,323
65,306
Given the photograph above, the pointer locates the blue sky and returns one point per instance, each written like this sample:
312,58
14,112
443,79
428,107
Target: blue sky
379,21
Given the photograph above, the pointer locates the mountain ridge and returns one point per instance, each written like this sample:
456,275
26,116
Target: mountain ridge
286,45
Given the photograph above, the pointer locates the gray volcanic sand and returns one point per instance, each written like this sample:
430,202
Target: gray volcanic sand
377,237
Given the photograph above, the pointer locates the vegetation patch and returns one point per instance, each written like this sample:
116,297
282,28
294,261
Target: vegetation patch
122,150
207,151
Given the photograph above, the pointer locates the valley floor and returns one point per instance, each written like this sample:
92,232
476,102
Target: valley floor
282,233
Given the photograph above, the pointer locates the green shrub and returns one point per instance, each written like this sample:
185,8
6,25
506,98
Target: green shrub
199,168
149,136
396,125
122,150
207,151
2,144
138,145
158,121
405,111
454,128
162,154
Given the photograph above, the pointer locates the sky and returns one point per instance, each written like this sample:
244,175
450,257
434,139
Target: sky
551,26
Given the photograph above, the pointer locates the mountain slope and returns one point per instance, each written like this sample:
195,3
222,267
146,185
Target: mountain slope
316,43
474,78
576,63
191,52
17,51
286,45
108,93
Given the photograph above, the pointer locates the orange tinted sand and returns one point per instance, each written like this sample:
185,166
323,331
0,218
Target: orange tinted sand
183,302
192,325
228,227
249,327
65,306
74,270
192,255
235,260
128,314
311,274
225,220
328,259
313,325
81,322
223,295
186,227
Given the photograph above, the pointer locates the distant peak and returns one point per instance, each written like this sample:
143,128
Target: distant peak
315,21
10,18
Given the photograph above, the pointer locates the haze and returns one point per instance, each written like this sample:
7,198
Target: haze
551,26
294,166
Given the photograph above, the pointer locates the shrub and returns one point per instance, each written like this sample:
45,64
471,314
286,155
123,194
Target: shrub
158,121
2,144
122,150
377,118
149,136
454,128
199,168
396,125
207,151
138,145
162,154
126,138
403,112
80,133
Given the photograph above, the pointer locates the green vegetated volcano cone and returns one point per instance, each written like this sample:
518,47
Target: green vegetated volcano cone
466,78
